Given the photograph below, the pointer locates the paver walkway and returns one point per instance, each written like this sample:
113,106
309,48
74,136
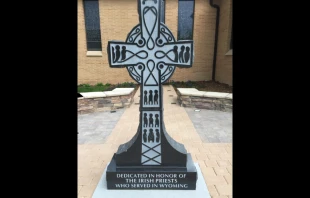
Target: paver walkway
215,159
212,126
95,127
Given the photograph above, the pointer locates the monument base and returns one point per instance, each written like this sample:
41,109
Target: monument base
145,177
200,192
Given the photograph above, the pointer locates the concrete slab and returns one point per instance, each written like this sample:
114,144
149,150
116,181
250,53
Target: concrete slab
124,89
93,94
190,92
187,89
193,93
229,96
117,93
200,192
215,95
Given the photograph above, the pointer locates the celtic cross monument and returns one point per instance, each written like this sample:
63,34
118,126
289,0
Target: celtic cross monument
151,159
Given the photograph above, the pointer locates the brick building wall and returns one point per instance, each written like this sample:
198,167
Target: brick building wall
223,71
118,17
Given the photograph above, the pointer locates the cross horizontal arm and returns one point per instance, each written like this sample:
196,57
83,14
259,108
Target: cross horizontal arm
178,54
123,54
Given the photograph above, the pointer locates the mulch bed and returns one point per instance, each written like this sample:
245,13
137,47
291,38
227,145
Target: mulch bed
211,86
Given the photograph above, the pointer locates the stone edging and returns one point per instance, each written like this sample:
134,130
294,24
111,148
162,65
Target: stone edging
106,100
191,97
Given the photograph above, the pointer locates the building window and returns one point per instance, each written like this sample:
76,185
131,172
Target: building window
162,10
92,25
186,19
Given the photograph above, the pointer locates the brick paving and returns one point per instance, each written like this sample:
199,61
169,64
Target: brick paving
215,159
96,127
212,126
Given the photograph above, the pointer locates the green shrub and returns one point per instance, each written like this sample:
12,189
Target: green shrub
84,85
189,83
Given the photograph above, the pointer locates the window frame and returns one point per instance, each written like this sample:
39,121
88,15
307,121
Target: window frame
90,45
193,22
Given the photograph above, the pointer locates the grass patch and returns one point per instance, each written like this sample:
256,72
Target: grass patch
104,87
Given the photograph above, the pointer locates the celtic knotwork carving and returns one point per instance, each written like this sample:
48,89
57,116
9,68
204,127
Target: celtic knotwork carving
150,79
179,55
159,42
143,1
166,71
150,26
161,54
134,73
120,55
167,35
151,149
133,36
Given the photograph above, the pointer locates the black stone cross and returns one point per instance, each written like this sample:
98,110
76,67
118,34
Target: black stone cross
150,55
